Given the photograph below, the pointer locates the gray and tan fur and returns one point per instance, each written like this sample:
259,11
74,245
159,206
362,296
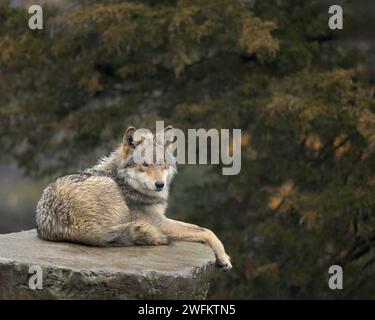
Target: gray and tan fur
118,203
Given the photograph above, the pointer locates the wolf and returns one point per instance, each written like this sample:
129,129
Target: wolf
119,202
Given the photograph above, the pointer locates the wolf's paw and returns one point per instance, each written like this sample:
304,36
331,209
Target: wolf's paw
151,235
223,262
160,239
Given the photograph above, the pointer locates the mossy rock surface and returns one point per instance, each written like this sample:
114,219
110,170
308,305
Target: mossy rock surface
70,271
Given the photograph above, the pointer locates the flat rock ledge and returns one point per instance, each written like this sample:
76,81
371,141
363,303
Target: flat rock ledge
181,270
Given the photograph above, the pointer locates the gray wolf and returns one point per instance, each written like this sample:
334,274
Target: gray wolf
119,202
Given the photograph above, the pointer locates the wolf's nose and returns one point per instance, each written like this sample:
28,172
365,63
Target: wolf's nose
159,185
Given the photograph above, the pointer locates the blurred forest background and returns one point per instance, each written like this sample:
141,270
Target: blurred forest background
302,94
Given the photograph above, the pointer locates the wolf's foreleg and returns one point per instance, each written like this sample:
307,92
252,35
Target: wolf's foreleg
177,230
136,233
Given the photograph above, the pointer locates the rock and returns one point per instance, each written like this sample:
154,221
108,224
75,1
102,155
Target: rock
71,271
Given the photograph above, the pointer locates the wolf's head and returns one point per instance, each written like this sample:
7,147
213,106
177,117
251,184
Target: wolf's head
141,165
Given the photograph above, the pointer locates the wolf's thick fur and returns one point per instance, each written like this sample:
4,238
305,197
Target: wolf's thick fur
118,203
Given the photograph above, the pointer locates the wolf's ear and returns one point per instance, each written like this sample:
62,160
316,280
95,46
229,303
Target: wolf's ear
168,136
127,140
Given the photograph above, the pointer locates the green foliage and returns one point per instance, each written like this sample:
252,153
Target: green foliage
304,199
106,50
